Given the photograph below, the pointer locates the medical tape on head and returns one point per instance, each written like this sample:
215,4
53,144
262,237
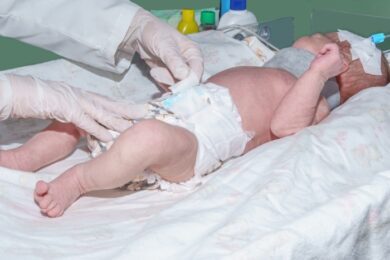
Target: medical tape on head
364,50
6,94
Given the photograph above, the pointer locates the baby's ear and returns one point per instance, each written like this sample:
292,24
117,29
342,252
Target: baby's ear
345,50
345,66
344,44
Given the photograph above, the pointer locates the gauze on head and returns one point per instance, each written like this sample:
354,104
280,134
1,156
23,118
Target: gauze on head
365,50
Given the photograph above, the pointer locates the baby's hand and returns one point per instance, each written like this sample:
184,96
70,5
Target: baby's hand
329,62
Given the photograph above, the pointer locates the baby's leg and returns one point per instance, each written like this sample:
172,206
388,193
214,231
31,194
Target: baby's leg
52,144
151,144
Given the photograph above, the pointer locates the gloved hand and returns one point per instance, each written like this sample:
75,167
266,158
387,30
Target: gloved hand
168,52
28,97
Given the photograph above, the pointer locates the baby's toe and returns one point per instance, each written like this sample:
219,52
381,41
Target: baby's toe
51,206
57,211
44,202
41,188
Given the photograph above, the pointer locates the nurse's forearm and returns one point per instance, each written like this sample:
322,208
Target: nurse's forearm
5,98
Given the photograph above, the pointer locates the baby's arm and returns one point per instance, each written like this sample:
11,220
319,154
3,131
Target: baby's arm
302,105
55,142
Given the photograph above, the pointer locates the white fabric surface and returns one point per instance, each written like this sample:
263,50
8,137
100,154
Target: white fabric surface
323,193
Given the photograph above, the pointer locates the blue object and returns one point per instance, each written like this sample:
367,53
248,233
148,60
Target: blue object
224,7
378,38
238,5
169,102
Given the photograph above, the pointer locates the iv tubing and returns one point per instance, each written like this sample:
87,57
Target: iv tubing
243,28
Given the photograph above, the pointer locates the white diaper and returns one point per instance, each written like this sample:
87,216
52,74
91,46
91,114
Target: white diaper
208,112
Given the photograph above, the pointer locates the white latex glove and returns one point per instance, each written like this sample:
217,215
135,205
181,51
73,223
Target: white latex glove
168,52
28,97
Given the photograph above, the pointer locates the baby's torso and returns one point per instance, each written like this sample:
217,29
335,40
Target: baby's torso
256,93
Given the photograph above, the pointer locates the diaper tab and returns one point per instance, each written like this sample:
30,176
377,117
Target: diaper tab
191,81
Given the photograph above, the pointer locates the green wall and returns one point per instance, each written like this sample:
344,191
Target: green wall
299,9
14,54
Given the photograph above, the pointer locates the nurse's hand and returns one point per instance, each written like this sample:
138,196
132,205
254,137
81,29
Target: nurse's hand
28,97
168,52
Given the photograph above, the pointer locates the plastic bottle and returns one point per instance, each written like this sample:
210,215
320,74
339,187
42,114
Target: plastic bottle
224,7
207,20
237,15
188,23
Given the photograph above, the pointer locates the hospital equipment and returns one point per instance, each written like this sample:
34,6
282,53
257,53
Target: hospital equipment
187,24
173,16
379,37
237,15
280,32
239,32
224,6
207,20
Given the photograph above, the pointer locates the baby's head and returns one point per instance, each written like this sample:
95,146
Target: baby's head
354,79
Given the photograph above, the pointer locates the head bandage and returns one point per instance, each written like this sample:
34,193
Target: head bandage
365,50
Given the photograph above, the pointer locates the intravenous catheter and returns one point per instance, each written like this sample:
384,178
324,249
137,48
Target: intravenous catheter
379,37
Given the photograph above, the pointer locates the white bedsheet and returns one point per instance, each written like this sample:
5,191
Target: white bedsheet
323,193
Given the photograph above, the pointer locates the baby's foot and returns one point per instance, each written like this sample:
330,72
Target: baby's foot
55,197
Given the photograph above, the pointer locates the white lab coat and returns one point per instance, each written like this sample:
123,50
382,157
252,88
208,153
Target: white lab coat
87,31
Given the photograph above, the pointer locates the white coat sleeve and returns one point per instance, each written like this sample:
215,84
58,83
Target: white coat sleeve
5,97
87,31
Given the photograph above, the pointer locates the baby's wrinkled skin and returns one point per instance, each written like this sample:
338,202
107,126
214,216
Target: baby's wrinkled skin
272,104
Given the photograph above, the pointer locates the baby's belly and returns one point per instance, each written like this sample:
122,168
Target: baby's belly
256,92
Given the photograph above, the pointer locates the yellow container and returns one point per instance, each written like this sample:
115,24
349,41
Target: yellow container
188,23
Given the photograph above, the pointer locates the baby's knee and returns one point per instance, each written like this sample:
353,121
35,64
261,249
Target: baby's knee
64,127
68,131
150,132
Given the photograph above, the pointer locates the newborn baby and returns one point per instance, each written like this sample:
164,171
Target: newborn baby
234,112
